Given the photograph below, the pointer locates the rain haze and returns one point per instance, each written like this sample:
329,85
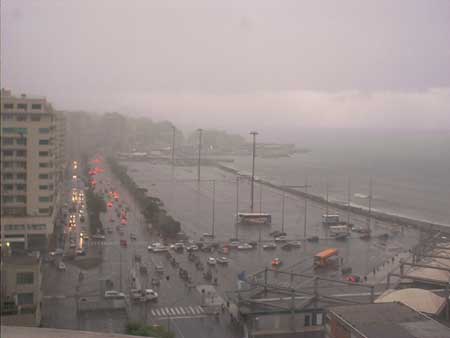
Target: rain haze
227,64
225,168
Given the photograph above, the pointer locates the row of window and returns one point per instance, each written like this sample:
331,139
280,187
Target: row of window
10,187
23,131
14,164
23,226
10,176
22,106
19,153
21,117
12,199
7,141
22,211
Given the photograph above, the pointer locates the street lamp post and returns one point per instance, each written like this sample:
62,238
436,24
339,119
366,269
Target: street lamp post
199,153
253,133
173,144
213,207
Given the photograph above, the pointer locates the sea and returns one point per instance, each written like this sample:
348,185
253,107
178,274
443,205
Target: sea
406,172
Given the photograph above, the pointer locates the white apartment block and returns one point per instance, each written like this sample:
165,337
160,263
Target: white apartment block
32,162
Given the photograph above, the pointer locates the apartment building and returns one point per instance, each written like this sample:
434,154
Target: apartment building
32,156
21,290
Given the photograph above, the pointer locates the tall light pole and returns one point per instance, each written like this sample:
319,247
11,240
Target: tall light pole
237,208
173,144
213,207
306,207
199,153
253,133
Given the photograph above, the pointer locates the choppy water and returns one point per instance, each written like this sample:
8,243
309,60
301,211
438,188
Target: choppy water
410,172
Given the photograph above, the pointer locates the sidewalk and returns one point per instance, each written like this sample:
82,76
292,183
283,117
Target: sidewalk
379,274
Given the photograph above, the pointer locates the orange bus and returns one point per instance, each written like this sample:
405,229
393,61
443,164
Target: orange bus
321,259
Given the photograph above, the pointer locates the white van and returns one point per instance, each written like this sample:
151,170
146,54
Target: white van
338,230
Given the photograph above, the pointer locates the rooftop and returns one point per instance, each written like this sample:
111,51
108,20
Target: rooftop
20,332
390,320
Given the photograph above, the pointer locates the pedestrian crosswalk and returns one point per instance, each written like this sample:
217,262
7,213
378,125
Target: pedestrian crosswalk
178,311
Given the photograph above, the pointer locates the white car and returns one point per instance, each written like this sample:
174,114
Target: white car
245,246
281,239
62,266
192,248
112,294
211,261
150,294
269,246
160,248
222,260
234,244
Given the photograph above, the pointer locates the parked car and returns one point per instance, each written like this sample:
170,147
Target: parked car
159,268
123,243
192,248
80,252
269,246
112,294
133,236
281,239
222,260
353,278
99,237
245,246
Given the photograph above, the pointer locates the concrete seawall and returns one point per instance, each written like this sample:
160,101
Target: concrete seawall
381,216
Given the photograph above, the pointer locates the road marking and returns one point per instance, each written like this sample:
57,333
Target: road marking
182,310
177,311
192,309
183,317
172,311
200,309
153,312
163,312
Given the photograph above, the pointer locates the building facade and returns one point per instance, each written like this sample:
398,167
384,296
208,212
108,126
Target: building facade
21,294
32,156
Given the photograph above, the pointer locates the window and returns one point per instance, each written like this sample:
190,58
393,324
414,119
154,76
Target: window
44,199
21,164
21,198
7,117
15,226
43,153
21,153
44,130
21,187
7,199
7,153
7,164
43,187
307,320
22,106
35,117
44,142
44,210
21,117
7,140
37,226
7,187
25,278
24,298
21,176
50,186
43,176
13,130
8,105
8,176
43,165
36,106
22,141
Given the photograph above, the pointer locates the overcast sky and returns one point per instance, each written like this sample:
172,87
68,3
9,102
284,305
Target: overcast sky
236,64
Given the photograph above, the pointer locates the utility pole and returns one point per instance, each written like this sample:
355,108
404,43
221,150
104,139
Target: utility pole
326,188
306,207
173,144
253,133
199,153
370,204
213,207
348,200
237,208
260,197
282,211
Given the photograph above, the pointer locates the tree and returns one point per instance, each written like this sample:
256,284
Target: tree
139,329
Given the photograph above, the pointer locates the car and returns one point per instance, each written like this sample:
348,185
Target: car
234,244
123,221
123,243
353,278
277,233
159,268
253,243
109,204
192,248
133,236
72,245
99,237
313,239
160,248
222,260
211,261
150,294
245,246
61,266
207,235
276,262
269,246
112,294
281,239
80,252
